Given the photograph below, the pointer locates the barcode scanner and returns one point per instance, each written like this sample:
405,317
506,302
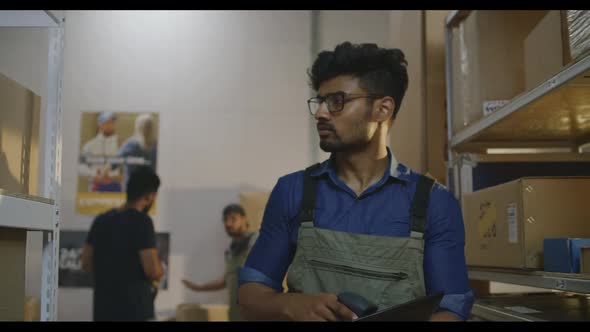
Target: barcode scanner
357,304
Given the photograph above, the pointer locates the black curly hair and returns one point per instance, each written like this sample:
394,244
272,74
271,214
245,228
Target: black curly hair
380,70
233,208
143,180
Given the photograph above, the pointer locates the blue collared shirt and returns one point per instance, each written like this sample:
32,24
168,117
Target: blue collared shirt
383,209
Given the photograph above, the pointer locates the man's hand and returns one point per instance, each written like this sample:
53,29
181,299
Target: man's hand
260,302
317,307
191,285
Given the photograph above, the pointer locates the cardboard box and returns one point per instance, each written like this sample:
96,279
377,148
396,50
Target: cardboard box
544,50
13,247
32,309
488,60
563,254
490,106
19,137
585,260
193,312
254,203
505,225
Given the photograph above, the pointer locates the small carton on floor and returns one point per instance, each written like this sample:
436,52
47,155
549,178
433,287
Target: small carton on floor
32,309
194,312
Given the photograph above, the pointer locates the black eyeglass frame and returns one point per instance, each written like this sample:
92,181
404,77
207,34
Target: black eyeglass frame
338,105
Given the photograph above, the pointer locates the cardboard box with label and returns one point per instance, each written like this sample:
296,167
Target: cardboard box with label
488,60
505,225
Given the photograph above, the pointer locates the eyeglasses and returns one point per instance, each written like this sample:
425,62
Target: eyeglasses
335,101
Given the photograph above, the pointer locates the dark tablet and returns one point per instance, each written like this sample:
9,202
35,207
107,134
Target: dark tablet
419,309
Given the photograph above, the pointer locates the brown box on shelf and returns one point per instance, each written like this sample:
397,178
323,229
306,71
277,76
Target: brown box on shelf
585,260
488,60
13,246
19,137
545,50
505,225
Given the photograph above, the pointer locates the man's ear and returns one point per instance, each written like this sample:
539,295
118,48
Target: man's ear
384,109
150,196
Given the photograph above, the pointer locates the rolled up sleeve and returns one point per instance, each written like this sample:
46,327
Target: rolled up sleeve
248,274
458,304
271,255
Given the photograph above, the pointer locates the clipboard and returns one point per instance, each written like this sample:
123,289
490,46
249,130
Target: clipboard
419,309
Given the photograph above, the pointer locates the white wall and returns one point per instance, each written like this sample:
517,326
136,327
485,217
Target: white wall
355,26
231,90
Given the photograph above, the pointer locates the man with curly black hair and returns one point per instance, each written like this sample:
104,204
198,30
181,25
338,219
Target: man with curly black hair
360,221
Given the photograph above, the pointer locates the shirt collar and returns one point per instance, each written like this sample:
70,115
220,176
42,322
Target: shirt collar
397,170
100,135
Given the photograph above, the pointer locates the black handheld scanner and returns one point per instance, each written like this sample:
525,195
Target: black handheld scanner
357,304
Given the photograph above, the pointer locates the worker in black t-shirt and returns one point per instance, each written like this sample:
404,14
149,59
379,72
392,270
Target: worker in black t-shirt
120,251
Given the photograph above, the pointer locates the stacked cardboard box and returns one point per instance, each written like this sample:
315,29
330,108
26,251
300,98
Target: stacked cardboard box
497,55
13,246
488,60
19,137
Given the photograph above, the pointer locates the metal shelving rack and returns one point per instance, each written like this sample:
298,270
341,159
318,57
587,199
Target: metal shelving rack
42,213
568,282
530,120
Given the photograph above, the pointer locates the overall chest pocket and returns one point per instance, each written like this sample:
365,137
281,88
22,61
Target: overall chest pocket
357,271
377,284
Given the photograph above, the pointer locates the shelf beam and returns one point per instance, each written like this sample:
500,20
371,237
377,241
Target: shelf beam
492,313
28,18
456,16
576,283
25,212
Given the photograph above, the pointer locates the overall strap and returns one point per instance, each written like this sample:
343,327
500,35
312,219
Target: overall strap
420,206
310,184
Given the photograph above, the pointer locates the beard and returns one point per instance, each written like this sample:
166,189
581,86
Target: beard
358,136
235,234
341,147
333,146
359,142
147,208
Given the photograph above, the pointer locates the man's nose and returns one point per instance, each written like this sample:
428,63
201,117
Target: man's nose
322,112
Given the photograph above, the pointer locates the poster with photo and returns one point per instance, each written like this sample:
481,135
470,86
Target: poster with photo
70,267
112,144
